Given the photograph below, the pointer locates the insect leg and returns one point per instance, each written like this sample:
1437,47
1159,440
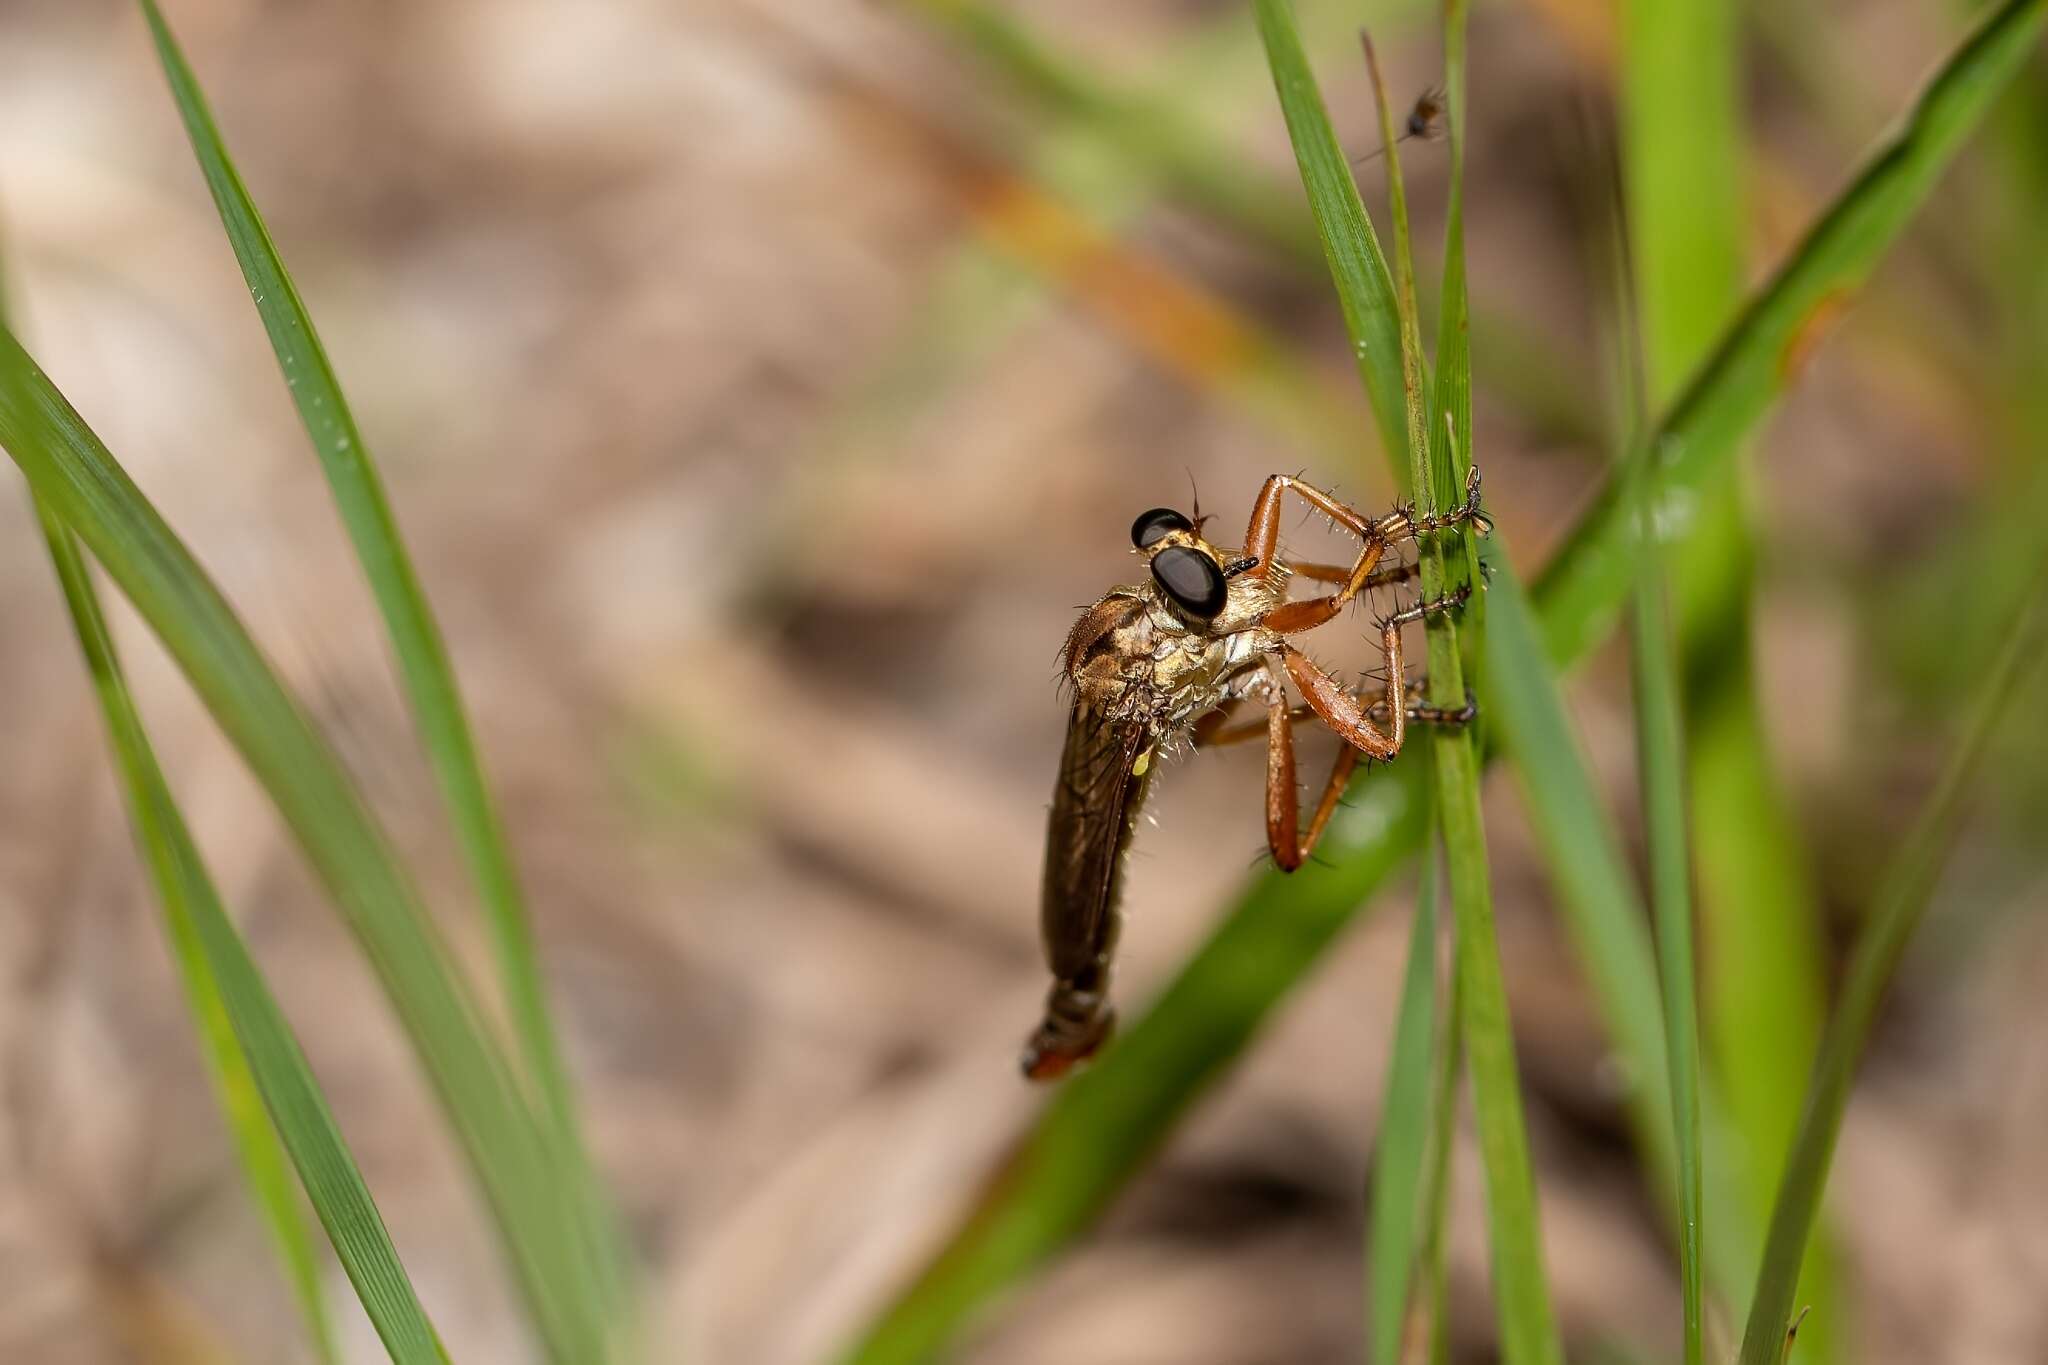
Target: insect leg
1205,732
1450,601
1465,511
1221,735
1282,816
1290,849
1337,573
1262,538
1419,713
1344,711
1262,533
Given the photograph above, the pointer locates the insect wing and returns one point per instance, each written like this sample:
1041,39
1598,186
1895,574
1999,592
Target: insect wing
1094,808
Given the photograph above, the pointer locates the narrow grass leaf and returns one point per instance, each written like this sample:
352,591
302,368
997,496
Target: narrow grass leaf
1149,131
1661,763
1450,425
1401,1150
1682,150
1161,135
1282,923
254,1056
1901,900
1603,913
1528,1324
541,1230
1365,288
1427,1335
416,640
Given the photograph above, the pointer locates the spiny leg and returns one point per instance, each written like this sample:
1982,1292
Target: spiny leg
1466,511
1292,618
1337,573
1218,735
1450,601
1344,711
1290,849
1350,716
1262,542
1206,730
1262,538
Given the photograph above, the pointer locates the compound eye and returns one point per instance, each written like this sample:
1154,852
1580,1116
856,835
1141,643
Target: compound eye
1154,526
1192,579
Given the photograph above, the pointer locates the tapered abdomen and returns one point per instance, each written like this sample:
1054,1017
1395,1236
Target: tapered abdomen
1104,771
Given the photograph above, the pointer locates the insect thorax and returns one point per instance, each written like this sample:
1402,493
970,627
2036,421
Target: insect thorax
1130,655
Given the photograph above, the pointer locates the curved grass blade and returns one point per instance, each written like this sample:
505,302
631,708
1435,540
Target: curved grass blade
416,640
1402,1148
74,474
1283,923
255,1058
1763,350
263,1160
1902,897
1103,1125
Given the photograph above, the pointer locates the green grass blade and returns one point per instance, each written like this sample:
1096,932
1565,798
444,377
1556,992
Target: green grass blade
1683,241
1661,763
254,1056
1162,131
1102,1126
416,639
1524,705
1682,146
1682,143
1428,1331
1528,1324
1424,1329
1365,288
1401,1152
73,472
1281,924
1148,130
1603,913
1761,352
1450,425
1901,900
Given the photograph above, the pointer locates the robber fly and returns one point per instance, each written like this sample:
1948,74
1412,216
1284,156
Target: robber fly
1165,661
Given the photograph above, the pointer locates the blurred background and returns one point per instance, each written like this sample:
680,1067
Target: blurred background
762,384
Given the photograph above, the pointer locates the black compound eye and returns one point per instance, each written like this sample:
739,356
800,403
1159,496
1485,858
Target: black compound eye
1154,526
1192,579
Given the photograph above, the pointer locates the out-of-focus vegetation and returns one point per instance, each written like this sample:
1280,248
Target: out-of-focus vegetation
752,512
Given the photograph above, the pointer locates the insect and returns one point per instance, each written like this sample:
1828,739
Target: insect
1166,661
1425,122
